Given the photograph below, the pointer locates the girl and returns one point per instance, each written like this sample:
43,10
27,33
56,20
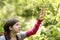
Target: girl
12,29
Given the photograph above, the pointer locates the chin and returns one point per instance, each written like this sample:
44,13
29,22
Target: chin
18,31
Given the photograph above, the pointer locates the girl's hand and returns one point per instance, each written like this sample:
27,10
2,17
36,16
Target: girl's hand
42,14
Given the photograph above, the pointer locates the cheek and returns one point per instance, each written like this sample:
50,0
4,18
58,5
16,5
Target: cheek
16,29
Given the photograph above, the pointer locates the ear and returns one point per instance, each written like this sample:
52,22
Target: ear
10,27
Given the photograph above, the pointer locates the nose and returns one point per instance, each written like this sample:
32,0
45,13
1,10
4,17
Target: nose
19,27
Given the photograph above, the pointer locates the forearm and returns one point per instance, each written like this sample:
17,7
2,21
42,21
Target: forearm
34,29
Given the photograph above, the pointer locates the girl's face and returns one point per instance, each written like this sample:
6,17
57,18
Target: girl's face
16,27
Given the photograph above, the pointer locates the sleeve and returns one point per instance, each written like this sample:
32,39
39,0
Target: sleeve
34,29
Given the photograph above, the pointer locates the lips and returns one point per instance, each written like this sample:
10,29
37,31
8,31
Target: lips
19,28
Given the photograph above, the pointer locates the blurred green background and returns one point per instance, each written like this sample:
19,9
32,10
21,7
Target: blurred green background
27,11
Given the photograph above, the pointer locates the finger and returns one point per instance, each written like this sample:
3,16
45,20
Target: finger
43,12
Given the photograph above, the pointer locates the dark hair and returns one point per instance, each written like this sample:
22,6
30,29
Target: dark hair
9,23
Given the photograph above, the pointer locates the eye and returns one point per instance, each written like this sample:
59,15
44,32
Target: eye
17,24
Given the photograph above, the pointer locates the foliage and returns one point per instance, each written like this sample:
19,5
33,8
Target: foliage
27,11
